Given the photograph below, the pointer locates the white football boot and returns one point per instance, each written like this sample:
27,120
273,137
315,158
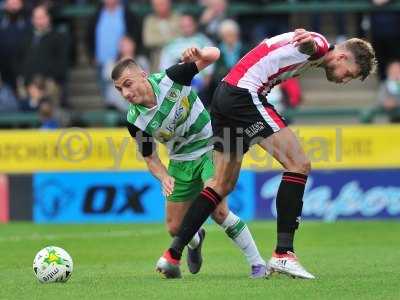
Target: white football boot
168,267
288,264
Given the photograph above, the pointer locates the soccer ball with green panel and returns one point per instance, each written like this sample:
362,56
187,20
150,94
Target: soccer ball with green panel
52,264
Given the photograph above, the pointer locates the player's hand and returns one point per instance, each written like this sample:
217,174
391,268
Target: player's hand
302,36
304,41
191,55
168,184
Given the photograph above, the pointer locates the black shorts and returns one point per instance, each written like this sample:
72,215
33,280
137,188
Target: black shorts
241,118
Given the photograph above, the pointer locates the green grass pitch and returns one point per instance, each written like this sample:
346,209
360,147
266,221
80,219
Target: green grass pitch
352,260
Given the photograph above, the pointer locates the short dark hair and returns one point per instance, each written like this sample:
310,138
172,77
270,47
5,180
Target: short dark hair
187,13
38,81
364,56
121,66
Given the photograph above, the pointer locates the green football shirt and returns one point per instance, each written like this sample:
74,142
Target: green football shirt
179,120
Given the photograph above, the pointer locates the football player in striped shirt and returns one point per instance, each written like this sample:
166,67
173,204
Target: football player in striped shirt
240,107
164,107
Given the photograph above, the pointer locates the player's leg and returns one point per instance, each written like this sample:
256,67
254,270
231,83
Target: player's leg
175,213
227,170
227,165
284,147
240,234
178,203
234,227
267,128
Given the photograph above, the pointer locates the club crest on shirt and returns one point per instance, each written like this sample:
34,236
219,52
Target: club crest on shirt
158,76
173,94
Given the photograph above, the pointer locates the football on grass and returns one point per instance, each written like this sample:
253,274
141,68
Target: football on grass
52,264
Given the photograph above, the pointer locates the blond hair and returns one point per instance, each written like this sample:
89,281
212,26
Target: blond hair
364,56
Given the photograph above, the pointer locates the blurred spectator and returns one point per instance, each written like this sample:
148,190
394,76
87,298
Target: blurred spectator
171,53
111,22
8,101
38,100
14,26
54,7
385,36
127,48
64,24
45,53
47,115
159,29
36,94
51,5
212,16
389,92
232,49
61,22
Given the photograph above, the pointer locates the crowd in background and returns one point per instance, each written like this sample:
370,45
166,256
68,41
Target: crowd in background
38,48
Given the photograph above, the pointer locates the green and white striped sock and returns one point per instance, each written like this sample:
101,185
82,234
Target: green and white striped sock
238,231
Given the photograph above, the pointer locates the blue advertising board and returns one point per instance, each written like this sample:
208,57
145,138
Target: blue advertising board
242,200
339,194
115,197
97,197
136,196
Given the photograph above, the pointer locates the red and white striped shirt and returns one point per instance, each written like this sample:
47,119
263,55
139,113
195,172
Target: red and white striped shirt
273,61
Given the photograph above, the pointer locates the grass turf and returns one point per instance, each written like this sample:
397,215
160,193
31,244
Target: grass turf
352,260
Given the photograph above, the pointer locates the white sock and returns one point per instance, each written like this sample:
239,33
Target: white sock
195,241
237,230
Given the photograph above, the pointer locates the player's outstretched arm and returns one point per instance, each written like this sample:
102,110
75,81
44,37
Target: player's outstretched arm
157,168
202,57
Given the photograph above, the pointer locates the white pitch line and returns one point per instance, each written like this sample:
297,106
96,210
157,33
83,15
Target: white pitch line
88,235
84,235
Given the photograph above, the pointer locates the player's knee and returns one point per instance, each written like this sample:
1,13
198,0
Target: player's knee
227,188
219,215
305,166
222,188
172,228
301,165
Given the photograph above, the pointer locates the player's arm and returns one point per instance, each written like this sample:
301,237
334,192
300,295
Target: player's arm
310,43
157,168
194,60
147,147
201,57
